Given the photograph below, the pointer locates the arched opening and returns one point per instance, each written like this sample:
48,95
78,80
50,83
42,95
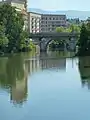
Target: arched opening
56,45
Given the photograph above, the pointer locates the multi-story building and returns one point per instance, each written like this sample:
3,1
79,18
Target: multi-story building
49,22
45,22
21,6
34,22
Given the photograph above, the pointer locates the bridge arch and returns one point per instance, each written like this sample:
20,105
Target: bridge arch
50,36
45,42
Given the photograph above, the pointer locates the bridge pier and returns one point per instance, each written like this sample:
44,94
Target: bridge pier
72,43
43,44
65,46
42,47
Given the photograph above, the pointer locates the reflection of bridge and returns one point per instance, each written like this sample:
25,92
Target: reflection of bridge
14,75
46,63
43,39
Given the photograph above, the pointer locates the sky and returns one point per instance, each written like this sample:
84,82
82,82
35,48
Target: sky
83,5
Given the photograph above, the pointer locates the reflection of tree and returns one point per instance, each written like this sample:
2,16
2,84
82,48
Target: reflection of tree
13,76
84,68
15,69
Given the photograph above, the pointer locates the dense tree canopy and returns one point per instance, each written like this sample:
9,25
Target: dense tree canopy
11,28
84,41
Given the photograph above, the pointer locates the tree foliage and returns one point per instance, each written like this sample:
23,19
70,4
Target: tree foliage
60,29
71,28
84,41
3,38
11,27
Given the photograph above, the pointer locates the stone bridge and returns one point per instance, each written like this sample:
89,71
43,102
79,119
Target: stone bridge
43,39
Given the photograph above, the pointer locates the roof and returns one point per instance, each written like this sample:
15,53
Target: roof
47,14
35,13
53,14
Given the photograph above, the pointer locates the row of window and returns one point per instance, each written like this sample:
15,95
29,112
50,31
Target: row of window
54,25
49,29
35,23
35,31
35,27
53,22
49,18
35,18
43,29
53,18
49,23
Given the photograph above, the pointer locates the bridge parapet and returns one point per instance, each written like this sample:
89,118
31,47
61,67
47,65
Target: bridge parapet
53,34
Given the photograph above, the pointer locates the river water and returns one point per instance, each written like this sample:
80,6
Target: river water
44,86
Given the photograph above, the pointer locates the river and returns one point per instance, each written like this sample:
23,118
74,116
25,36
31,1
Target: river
46,86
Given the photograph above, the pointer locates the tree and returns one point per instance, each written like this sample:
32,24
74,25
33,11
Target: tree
13,23
71,28
3,39
60,29
83,41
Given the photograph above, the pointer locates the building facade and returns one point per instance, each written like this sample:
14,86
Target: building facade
49,22
34,22
45,22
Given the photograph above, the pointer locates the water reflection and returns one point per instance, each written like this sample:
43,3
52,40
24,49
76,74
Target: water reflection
84,69
13,77
15,69
44,87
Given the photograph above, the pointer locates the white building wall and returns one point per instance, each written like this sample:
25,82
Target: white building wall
34,22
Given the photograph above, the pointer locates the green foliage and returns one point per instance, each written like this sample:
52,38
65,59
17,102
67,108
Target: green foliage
11,28
71,28
60,29
3,39
84,41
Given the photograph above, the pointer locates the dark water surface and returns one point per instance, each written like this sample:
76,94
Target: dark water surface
44,87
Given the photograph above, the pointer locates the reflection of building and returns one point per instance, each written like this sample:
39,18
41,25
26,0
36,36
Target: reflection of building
46,63
15,69
53,63
33,65
21,6
19,91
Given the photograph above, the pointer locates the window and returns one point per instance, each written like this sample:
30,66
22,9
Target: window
46,18
32,18
53,25
48,29
57,18
42,18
